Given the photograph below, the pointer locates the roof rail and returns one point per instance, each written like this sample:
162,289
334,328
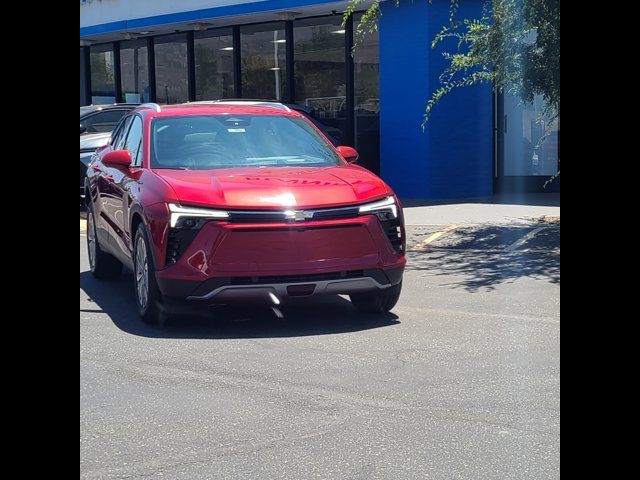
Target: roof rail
256,103
155,106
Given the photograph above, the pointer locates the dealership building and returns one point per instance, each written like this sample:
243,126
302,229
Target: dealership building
476,142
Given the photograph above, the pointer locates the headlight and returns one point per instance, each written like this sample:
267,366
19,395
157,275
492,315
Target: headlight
178,212
385,209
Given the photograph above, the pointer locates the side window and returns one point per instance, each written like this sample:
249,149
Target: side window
116,131
133,143
103,121
118,141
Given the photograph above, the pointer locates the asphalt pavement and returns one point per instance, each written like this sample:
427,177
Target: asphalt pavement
460,381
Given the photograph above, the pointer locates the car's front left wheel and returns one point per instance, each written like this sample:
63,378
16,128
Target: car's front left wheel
148,295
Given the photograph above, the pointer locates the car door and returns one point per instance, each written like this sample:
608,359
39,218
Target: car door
107,191
97,185
123,179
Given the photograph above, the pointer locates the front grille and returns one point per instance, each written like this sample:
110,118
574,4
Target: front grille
317,277
240,216
394,233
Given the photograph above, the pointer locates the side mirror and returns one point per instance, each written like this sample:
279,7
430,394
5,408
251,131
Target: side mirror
83,129
117,158
348,153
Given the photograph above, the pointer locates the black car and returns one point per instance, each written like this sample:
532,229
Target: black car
102,118
334,134
89,143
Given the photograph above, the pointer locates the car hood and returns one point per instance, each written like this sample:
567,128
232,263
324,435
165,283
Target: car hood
94,140
246,188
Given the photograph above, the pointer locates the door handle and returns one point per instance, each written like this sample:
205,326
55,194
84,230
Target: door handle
96,168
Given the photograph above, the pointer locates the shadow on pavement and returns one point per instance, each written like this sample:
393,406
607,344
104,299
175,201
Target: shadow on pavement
321,316
478,255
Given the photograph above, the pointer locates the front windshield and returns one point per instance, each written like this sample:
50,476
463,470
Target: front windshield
225,141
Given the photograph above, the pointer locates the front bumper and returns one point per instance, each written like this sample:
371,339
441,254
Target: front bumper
222,290
226,261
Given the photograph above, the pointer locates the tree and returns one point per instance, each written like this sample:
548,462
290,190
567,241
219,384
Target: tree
514,45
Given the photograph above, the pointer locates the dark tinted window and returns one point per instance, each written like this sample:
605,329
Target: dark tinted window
103,87
214,64
320,71
263,57
366,66
171,69
134,71
102,121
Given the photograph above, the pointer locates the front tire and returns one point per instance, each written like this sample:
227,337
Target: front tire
103,266
377,302
148,295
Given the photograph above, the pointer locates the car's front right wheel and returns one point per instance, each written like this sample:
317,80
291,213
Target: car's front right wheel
377,302
148,295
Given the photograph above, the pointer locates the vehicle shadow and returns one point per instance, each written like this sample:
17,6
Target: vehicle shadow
479,260
304,317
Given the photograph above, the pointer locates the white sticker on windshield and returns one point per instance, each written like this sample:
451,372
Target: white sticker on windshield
236,130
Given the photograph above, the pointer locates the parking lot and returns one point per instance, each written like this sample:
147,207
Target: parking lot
460,381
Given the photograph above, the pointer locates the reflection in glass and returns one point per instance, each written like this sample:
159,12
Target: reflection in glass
320,73
83,81
134,71
531,142
103,88
264,69
171,69
214,64
366,64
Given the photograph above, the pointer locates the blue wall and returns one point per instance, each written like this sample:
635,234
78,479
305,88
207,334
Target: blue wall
453,156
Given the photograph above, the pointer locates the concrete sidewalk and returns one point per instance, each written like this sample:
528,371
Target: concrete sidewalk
494,209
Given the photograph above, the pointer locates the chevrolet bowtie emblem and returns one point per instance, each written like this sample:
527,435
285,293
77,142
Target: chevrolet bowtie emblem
297,215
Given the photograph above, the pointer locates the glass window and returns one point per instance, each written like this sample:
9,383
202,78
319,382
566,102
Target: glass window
118,141
134,141
103,87
531,141
366,66
224,141
102,121
214,64
134,70
171,69
115,133
83,78
264,69
320,73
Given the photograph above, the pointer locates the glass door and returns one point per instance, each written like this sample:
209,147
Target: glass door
528,146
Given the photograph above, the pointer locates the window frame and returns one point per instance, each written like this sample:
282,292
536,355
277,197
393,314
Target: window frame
134,159
122,134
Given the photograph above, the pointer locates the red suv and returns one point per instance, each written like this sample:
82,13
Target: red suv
234,201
